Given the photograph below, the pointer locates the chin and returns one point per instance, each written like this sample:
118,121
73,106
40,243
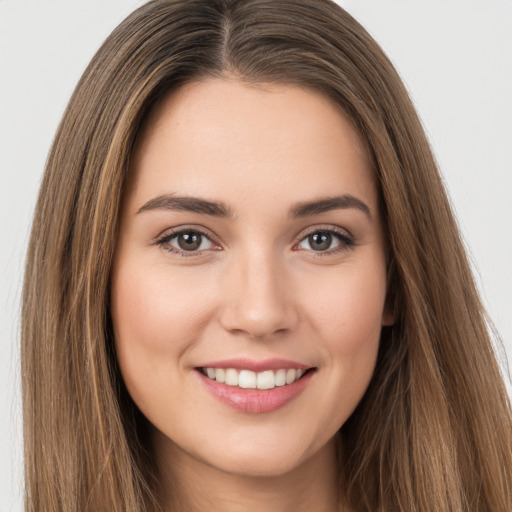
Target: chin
261,465
264,458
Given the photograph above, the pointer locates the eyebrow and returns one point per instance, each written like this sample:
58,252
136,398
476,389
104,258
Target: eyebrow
220,209
187,204
342,202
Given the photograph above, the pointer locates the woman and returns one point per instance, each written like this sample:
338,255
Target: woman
255,281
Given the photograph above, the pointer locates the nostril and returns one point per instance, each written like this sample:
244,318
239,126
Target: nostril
258,321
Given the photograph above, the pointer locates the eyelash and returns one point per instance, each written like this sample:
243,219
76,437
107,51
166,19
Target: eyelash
346,241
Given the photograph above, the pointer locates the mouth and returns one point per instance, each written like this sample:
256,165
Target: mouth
261,387
248,379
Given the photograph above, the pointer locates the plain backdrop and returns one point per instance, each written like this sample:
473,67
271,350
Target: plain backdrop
454,56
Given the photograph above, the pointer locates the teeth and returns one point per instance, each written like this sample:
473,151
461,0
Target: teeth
248,379
231,377
266,380
220,374
291,375
280,377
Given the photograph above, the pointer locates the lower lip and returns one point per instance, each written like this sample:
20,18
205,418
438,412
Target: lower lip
256,400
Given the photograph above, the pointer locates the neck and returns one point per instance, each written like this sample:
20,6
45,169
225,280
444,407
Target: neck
193,485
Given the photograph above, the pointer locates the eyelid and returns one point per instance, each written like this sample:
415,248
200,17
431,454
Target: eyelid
324,227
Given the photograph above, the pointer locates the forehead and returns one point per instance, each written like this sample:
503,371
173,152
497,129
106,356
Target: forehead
222,137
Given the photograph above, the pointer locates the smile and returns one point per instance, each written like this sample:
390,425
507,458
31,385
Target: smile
247,379
255,387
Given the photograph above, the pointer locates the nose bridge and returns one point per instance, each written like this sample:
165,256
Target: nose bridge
258,301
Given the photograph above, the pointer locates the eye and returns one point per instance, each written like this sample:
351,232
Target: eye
183,241
326,241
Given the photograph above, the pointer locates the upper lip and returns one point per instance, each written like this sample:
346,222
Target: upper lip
256,365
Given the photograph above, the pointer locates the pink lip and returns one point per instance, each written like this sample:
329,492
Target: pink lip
255,366
255,400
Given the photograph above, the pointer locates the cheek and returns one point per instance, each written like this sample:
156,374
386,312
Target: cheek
153,307
156,318
346,310
346,313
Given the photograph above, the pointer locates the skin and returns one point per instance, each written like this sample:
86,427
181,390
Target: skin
256,288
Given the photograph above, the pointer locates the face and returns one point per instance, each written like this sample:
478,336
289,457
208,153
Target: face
249,281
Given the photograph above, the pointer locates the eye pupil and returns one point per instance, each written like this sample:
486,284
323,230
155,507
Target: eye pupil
189,241
320,241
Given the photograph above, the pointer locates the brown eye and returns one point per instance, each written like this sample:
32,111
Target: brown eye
320,241
186,241
326,241
190,241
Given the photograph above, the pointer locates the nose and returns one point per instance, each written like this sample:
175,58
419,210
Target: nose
258,298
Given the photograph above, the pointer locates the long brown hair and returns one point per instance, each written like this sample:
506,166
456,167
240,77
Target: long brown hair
434,430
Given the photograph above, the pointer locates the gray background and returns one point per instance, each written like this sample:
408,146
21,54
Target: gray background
454,56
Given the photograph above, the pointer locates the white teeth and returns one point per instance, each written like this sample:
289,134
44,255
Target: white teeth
248,379
231,377
280,377
291,375
266,380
